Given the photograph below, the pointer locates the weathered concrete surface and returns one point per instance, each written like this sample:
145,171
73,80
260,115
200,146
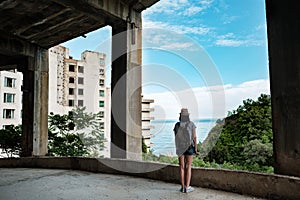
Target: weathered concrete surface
284,46
126,84
242,182
28,183
50,22
35,104
29,28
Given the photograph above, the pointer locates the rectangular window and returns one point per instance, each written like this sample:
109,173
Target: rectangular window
101,71
9,82
80,91
80,69
9,98
71,102
8,113
71,68
80,103
101,61
101,114
80,80
71,80
71,91
101,125
101,82
101,93
7,126
101,103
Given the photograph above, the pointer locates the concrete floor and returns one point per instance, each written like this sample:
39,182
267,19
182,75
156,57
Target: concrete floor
46,184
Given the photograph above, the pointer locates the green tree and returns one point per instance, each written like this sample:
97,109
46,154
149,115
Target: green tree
144,146
10,140
246,137
77,134
89,129
257,152
206,146
62,141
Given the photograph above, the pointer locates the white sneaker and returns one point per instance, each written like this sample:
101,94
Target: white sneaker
189,189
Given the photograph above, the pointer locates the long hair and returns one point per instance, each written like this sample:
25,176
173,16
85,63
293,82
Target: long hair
184,118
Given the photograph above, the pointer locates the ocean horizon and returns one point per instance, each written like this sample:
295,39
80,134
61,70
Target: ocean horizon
163,139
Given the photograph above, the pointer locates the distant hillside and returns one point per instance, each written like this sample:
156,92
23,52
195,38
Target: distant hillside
243,138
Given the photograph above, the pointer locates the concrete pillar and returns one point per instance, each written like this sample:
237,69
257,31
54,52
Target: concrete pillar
284,63
35,104
27,110
126,132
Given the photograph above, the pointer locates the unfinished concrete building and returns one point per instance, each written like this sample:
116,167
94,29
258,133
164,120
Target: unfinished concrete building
29,28
146,122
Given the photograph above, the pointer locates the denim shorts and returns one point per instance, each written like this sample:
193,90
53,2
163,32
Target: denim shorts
190,151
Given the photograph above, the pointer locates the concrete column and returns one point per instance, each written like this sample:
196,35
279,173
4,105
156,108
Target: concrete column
35,104
126,133
284,63
27,110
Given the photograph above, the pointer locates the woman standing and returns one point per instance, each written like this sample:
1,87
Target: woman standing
185,131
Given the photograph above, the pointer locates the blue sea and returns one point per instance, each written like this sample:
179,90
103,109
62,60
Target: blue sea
163,139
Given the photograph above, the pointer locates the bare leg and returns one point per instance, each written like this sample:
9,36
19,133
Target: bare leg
181,170
188,169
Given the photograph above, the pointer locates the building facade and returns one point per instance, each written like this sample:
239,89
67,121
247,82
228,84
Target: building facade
76,82
79,83
146,121
10,98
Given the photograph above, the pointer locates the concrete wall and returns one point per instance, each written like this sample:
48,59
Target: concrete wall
284,64
247,183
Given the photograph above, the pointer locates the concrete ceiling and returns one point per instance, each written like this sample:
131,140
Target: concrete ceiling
51,22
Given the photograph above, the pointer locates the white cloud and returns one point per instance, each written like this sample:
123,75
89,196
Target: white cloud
228,19
229,43
166,36
230,40
177,46
182,29
161,40
178,7
251,89
166,6
196,8
192,10
206,102
195,30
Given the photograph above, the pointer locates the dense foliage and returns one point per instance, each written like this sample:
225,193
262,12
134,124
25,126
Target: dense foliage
246,138
144,146
10,140
61,139
76,134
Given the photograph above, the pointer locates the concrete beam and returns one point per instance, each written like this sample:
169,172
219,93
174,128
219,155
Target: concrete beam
284,63
116,9
12,46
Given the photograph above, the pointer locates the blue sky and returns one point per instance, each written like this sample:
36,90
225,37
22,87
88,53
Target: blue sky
232,32
195,45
